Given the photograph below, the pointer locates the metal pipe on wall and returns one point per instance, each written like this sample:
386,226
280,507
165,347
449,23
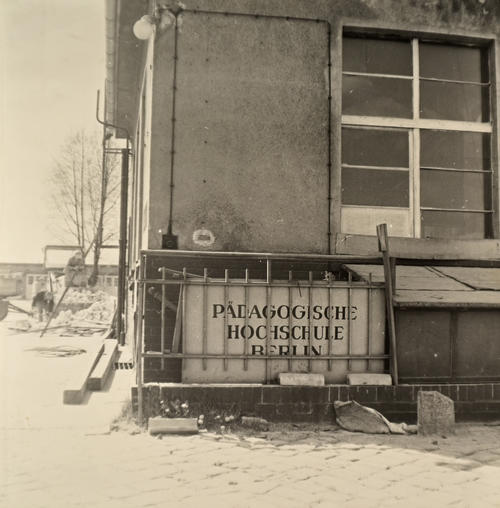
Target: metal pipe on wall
122,243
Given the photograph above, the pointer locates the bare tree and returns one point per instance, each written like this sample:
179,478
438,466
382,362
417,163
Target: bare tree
85,192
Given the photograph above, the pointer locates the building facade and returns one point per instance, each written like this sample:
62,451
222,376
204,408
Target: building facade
269,140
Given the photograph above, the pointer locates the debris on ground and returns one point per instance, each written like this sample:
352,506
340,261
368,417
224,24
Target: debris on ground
126,421
206,416
87,305
101,311
354,417
83,312
255,423
58,351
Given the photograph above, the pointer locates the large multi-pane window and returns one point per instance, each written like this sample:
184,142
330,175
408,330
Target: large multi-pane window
416,133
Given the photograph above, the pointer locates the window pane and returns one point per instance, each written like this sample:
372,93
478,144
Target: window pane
469,226
371,96
447,189
368,147
449,149
454,101
376,56
459,63
373,187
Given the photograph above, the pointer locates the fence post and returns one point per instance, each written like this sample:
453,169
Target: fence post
389,268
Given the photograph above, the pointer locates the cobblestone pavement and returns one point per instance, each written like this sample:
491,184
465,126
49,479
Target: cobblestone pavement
297,469
69,459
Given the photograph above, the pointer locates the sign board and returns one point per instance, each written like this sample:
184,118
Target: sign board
315,321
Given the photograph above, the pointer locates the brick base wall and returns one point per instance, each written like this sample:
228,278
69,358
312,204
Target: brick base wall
315,403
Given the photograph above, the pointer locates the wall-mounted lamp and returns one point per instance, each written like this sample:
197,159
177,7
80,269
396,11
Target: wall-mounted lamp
144,27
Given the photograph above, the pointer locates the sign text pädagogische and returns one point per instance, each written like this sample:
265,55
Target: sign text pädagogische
282,329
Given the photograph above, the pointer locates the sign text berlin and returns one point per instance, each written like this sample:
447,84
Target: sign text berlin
312,331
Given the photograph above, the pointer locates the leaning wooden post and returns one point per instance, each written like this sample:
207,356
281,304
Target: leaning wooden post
139,345
390,284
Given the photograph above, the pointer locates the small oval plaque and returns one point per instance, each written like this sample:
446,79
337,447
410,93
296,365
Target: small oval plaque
203,237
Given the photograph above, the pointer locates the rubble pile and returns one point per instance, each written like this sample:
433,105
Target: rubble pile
82,312
82,297
86,308
101,311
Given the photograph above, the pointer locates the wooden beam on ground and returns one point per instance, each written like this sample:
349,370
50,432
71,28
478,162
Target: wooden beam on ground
104,367
76,387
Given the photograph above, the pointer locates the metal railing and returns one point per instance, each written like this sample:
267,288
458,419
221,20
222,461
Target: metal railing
171,342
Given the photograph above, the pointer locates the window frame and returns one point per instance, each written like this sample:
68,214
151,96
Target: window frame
415,124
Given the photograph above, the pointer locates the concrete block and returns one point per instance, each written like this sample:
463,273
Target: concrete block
253,422
301,379
369,378
160,425
435,413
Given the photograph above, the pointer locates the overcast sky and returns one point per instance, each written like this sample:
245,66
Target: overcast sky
52,61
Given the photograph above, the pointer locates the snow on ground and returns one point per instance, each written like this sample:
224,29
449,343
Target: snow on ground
85,305
82,311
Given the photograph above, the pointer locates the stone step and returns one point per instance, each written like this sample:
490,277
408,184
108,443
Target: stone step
159,425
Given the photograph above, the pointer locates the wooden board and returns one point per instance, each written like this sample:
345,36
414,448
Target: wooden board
448,344
466,299
420,248
76,386
101,372
410,277
224,332
424,344
4,309
364,220
478,278
476,354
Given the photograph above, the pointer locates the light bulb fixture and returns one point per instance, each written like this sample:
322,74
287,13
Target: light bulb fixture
144,27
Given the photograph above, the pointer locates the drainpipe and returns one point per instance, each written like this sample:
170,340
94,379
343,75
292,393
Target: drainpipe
122,263
122,242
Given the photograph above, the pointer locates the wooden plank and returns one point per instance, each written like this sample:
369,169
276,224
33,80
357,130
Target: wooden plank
424,343
416,123
76,386
420,248
364,271
363,220
478,278
383,241
4,308
410,277
476,353
178,322
101,372
464,299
